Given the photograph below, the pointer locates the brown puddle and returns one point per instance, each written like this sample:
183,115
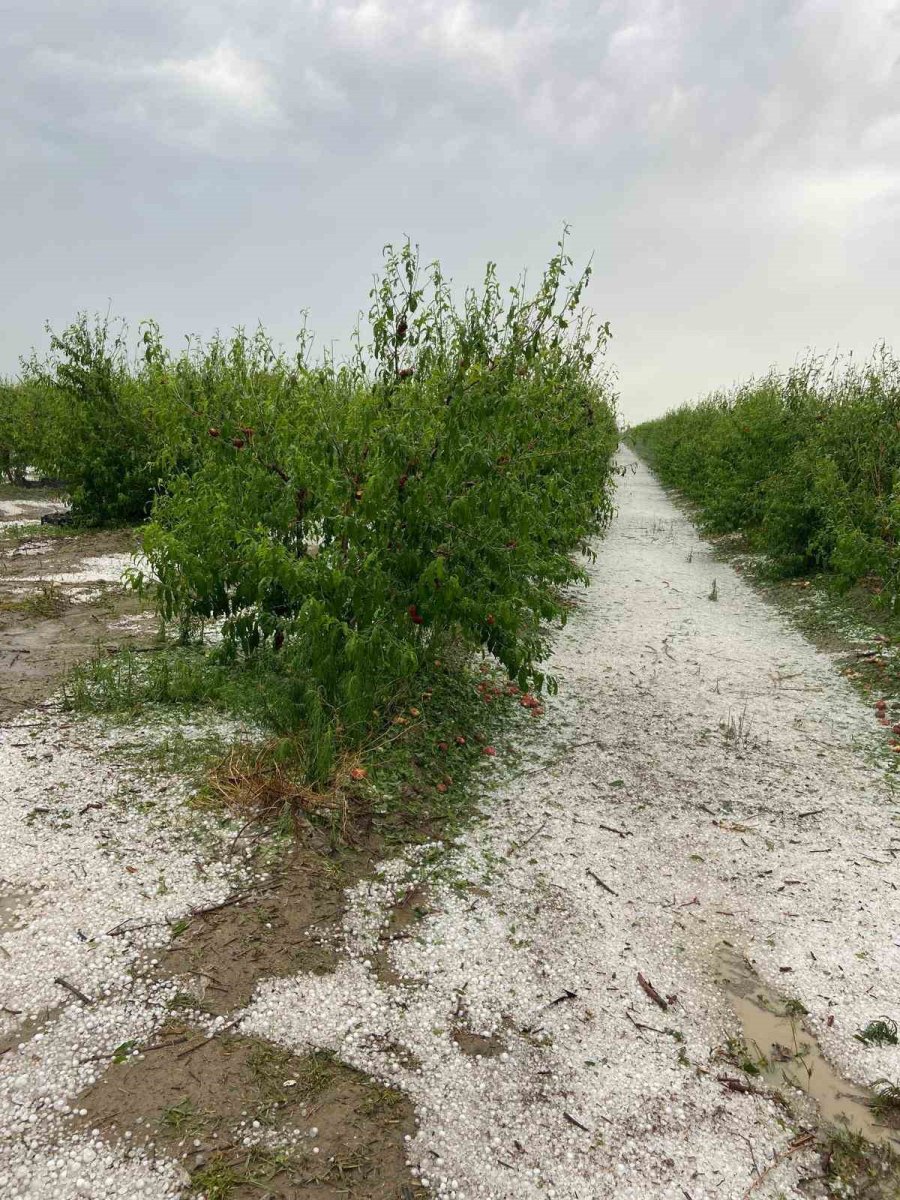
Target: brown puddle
12,904
783,1051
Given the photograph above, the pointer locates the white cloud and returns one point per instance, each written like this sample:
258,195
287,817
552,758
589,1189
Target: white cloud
222,76
735,165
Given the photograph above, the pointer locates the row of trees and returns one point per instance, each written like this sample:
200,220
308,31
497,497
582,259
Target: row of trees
356,518
807,463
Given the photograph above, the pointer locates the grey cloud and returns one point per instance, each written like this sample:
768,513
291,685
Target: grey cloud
736,167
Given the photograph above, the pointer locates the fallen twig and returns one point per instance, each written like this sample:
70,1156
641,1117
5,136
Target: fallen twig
574,1121
651,1028
164,1045
125,927
567,995
207,1040
596,878
622,834
652,992
531,836
236,898
800,1144
70,987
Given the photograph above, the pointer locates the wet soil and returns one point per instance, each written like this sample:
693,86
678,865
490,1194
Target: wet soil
316,1129
187,1087
402,920
858,1144
786,1054
292,925
45,627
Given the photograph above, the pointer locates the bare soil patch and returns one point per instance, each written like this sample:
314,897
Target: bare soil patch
290,928
239,1112
248,1119
44,628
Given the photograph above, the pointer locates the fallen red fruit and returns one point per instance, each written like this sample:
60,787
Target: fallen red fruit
238,443
443,747
489,750
358,773
442,787
460,740
490,618
414,615
213,432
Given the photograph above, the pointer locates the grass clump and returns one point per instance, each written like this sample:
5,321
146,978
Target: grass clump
853,1166
413,776
881,1032
885,1100
49,600
183,1119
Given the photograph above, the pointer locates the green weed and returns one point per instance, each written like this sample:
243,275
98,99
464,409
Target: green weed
183,1119
885,1099
48,601
882,1032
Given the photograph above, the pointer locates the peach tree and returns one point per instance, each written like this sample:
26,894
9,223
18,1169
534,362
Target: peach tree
440,489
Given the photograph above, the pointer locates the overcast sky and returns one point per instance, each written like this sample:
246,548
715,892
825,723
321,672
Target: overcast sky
733,166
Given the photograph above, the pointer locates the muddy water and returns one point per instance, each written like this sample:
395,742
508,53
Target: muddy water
787,1053
11,905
